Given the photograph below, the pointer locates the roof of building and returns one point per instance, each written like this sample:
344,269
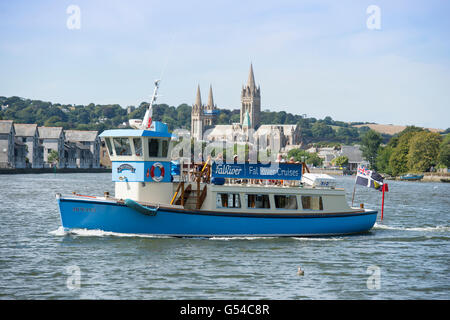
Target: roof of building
246,122
50,132
80,135
5,126
269,128
25,129
353,153
220,130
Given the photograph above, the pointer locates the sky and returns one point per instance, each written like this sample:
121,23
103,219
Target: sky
320,58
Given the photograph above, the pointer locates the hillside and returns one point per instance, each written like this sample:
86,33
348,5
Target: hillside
390,129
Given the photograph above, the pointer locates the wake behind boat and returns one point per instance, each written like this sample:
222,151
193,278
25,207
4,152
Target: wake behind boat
157,196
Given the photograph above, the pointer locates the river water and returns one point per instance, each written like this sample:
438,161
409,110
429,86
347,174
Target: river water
405,256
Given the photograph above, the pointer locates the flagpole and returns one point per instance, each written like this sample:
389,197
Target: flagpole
354,186
383,188
353,196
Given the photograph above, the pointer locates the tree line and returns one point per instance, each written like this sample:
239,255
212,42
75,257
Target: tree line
101,117
411,151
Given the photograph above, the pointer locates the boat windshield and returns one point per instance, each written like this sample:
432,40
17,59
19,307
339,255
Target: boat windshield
122,146
158,148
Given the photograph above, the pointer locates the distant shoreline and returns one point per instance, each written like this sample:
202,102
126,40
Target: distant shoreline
52,170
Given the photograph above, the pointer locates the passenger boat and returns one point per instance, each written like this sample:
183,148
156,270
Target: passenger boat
157,196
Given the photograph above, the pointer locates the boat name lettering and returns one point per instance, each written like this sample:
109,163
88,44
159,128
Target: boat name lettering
228,169
81,209
278,171
125,166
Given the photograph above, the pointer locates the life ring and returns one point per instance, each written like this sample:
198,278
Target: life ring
152,172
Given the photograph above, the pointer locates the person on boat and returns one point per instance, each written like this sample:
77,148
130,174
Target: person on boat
219,157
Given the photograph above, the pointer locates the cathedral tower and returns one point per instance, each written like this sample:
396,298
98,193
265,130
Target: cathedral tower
251,101
210,111
197,117
203,117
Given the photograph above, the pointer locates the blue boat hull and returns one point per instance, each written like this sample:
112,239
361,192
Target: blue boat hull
115,217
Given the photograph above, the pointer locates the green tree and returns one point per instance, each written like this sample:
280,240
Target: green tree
444,151
370,143
340,161
310,158
382,161
323,131
423,151
53,157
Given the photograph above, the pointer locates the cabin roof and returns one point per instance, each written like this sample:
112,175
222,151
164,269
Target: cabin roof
134,133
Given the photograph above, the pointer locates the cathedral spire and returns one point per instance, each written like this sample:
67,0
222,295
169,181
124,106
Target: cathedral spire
198,100
210,98
251,78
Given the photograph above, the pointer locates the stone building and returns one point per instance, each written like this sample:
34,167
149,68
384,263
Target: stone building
203,117
87,144
52,139
7,143
20,154
28,134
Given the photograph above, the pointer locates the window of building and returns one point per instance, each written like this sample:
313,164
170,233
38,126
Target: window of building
285,201
258,201
312,202
122,146
228,200
137,146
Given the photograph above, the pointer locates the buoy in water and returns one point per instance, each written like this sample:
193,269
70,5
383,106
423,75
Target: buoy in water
300,272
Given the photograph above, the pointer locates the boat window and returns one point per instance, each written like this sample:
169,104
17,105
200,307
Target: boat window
153,148
312,202
109,146
228,200
165,148
122,146
285,201
137,146
258,201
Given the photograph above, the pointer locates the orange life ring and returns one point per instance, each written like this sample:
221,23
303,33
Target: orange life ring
152,172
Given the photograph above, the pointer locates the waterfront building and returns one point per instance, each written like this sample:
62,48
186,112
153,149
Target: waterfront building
105,160
28,134
52,138
70,154
87,144
354,155
20,154
7,144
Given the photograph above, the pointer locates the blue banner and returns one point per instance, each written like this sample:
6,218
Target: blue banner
272,171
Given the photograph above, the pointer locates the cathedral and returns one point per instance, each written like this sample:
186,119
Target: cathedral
204,121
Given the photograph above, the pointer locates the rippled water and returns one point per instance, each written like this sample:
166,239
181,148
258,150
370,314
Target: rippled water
405,256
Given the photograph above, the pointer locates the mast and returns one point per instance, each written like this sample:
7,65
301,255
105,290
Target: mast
146,123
